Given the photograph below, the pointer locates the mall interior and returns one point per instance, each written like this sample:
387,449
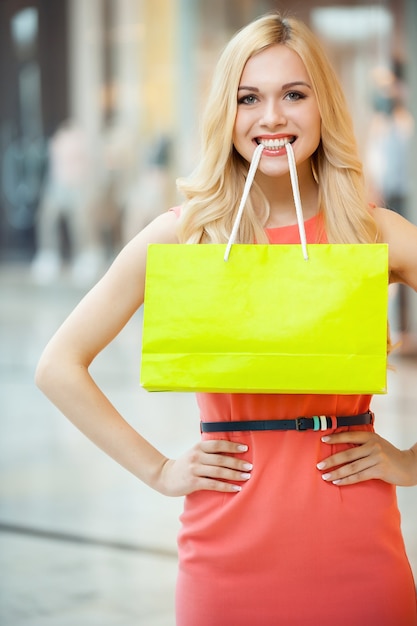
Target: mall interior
99,115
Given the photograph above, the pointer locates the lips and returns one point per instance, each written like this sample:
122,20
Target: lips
275,143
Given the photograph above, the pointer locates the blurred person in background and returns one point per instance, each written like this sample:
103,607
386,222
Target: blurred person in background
147,195
279,527
67,224
388,168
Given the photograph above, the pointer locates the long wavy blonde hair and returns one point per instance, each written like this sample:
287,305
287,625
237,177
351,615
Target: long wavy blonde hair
213,191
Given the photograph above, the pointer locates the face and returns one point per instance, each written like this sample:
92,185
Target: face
276,105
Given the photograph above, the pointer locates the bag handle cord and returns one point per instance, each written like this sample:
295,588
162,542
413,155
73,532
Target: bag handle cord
295,190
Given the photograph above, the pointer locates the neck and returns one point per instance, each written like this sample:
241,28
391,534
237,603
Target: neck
278,191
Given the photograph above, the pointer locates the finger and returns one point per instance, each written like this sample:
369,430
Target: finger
351,479
207,484
350,436
224,461
223,445
344,457
220,472
216,453
362,469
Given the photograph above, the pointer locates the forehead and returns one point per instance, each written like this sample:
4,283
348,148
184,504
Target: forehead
277,63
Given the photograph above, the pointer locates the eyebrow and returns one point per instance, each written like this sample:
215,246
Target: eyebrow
286,86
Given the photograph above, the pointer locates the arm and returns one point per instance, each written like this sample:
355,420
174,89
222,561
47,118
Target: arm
374,457
62,374
401,236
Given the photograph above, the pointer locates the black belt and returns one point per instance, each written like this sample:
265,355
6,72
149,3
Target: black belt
317,422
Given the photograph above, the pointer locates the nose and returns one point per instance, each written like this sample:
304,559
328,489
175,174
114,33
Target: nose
273,114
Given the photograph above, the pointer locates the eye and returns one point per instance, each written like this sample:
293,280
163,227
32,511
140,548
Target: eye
294,96
248,99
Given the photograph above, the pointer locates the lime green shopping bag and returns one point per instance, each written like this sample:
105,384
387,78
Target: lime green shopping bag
268,319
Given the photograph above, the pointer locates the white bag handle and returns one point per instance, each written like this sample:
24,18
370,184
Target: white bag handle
295,190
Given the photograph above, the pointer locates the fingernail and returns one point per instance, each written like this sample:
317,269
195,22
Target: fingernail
321,465
242,448
337,482
247,466
325,439
326,476
245,476
236,488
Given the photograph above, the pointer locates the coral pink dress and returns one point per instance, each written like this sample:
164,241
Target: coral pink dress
291,549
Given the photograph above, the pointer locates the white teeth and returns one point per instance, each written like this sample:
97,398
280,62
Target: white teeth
274,144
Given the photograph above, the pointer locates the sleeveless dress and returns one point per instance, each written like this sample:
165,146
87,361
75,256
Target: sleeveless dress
290,549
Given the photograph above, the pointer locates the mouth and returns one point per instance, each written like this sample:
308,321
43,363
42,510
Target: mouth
276,143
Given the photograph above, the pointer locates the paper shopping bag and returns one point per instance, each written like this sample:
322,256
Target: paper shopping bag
267,320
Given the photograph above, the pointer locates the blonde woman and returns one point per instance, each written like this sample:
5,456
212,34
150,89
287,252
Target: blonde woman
279,527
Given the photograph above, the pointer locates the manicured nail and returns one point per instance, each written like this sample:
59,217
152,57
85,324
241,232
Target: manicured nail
326,476
245,476
247,466
236,488
321,465
325,439
337,482
242,448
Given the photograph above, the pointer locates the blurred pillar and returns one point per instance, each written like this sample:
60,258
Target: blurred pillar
127,34
411,39
158,67
86,66
186,102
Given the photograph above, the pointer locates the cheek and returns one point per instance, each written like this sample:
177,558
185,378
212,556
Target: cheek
243,122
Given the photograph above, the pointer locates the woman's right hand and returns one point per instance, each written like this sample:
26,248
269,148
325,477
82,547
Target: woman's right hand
210,466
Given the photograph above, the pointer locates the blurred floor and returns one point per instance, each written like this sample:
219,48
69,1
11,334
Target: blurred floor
81,541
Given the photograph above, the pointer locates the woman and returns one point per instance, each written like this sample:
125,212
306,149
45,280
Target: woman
279,527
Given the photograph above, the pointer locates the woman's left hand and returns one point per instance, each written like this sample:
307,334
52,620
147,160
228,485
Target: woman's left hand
372,457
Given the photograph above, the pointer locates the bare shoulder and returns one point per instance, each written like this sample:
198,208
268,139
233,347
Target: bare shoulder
163,229
401,236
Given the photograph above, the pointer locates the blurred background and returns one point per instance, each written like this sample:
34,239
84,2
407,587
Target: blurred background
99,114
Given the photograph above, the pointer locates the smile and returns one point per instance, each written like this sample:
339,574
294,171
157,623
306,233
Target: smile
274,144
